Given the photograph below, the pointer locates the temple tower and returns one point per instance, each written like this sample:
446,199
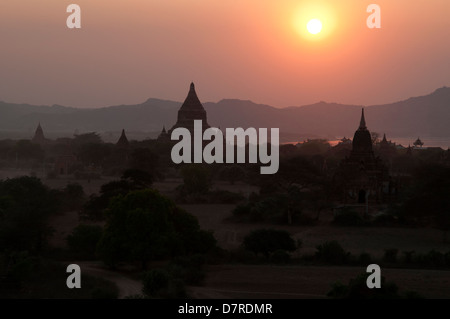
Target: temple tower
191,109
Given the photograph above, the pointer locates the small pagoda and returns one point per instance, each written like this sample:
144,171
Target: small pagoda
123,141
418,143
39,137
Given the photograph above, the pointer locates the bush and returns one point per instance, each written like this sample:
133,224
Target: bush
432,259
365,259
225,197
160,283
447,259
196,179
280,257
390,255
242,210
155,281
189,269
267,241
332,252
408,256
357,289
348,218
385,220
73,197
21,266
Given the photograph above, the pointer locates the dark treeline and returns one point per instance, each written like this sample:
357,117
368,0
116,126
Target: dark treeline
129,222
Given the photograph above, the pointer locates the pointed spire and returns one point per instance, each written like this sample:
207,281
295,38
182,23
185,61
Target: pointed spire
384,137
192,103
362,124
164,129
123,141
38,137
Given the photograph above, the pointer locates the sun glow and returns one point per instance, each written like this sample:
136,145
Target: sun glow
314,21
314,26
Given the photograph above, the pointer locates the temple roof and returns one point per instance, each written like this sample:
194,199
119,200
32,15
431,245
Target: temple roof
192,102
191,110
39,135
362,140
163,135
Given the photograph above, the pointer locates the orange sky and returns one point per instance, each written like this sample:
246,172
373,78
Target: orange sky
128,51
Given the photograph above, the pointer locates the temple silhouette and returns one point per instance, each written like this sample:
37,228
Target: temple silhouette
363,176
39,137
191,109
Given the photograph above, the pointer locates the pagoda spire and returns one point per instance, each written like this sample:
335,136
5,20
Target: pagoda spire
191,110
362,124
123,141
39,137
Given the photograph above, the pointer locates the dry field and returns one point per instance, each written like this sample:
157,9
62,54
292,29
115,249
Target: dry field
373,240
300,282
264,281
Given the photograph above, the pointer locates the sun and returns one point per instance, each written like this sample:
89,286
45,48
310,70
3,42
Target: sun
314,26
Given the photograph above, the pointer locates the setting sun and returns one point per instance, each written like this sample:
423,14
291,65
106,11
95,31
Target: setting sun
314,26
316,21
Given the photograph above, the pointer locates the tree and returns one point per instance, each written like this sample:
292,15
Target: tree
196,179
144,225
332,252
73,197
25,149
315,146
87,138
25,206
138,178
267,241
94,153
130,181
426,201
375,137
155,281
191,239
137,227
84,239
232,173
296,174
144,159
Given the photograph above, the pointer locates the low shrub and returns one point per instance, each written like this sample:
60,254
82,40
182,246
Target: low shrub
349,218
332,252
390,255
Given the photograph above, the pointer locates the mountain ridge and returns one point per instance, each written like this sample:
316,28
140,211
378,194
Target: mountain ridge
425,115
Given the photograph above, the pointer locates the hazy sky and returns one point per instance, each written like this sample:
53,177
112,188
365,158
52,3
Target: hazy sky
130,50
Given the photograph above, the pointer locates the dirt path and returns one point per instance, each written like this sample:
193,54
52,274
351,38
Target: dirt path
213,293
126,285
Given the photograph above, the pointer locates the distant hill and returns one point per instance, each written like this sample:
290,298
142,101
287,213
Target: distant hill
425,116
